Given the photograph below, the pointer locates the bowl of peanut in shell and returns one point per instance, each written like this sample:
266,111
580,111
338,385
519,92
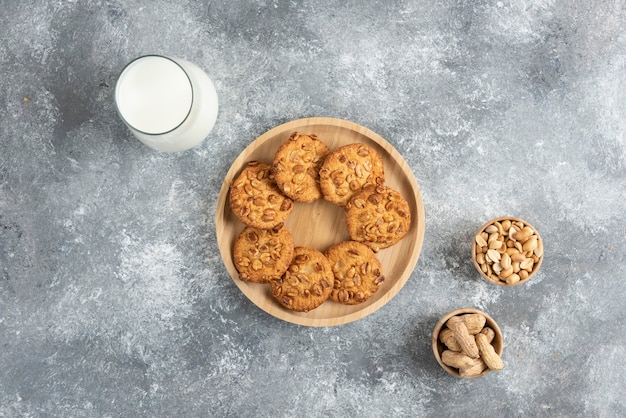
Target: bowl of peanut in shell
507,251
467,343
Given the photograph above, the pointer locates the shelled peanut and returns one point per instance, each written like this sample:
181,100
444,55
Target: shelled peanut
468,342
508,251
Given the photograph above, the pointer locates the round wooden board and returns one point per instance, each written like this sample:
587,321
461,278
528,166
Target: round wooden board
321,224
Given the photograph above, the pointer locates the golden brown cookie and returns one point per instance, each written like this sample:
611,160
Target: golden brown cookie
358,272
378,217
261,255
307,283
296,167
347,170
256,200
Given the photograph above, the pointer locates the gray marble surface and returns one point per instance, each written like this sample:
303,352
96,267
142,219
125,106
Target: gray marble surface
114,300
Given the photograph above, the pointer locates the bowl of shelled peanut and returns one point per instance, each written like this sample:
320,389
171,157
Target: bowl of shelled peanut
507,251
468,343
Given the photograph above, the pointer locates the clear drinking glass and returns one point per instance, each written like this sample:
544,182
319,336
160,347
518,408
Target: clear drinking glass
169,104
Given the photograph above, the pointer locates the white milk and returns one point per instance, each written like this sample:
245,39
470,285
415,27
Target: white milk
168,103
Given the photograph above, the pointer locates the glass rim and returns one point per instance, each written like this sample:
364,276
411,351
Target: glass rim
115,92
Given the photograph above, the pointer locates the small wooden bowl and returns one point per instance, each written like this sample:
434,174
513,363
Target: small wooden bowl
439,347
493,278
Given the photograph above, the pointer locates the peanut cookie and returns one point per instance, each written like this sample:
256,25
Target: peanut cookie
261,255
349,169
296,167
358,272
378,216
255,198
307,283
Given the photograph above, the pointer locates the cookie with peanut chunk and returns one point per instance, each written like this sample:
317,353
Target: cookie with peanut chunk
307,283
358,272
378,216
261,255
256,200
349,169
296,167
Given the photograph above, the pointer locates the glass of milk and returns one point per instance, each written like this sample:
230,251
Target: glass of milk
169,104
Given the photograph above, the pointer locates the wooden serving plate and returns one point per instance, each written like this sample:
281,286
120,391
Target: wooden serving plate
321,224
